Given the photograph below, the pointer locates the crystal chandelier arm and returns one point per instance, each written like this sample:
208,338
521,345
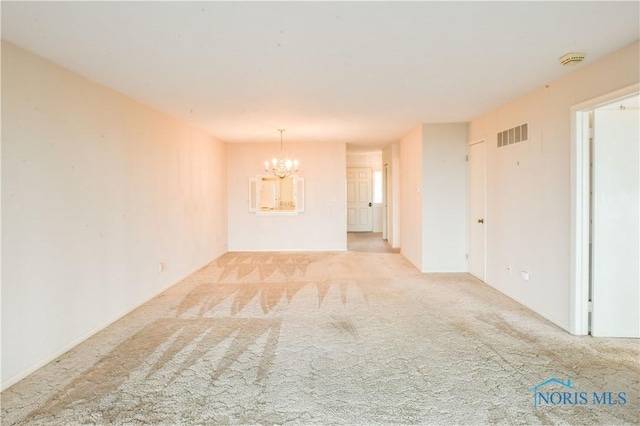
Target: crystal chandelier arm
281,167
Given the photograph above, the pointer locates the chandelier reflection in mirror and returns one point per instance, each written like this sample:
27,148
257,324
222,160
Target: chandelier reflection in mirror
281,167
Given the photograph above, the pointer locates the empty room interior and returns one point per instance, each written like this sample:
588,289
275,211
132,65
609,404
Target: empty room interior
320,212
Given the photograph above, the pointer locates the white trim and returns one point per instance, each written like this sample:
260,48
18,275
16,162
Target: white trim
385,201
580,216
607,98
580,186
484,212
477,140
556,321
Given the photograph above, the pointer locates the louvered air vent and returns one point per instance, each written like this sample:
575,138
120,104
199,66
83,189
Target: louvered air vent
514,135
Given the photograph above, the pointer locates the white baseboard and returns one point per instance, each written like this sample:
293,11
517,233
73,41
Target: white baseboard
543,314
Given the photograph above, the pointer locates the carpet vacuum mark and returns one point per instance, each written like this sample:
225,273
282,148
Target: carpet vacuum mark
318,338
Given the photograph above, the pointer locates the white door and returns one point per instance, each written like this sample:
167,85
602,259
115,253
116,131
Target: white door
359,199
476,210
616,224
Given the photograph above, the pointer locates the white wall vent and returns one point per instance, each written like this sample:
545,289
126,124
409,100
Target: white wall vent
513,135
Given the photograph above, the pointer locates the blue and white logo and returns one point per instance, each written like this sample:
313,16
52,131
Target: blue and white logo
556,392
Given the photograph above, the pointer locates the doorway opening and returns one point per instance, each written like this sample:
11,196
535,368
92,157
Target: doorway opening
366,199
605,271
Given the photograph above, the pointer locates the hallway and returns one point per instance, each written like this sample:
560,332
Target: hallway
369,242
326,338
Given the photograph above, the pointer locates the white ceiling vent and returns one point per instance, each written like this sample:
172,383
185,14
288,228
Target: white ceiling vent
572,58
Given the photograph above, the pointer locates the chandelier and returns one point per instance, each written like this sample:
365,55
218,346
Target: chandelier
281,167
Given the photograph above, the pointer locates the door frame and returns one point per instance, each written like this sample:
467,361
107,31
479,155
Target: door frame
385,202
482,140
580,207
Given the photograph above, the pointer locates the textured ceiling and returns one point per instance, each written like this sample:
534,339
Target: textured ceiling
364,73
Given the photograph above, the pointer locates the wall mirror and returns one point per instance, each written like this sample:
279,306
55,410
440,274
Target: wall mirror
273,195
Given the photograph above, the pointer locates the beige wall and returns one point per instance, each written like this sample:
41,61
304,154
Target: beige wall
97,189
433,197
529,184
322,226
444,197
411,196
369,159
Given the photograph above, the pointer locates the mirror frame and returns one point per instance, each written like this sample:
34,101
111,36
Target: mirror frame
255,188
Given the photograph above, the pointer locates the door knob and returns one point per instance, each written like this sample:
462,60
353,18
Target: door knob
480,220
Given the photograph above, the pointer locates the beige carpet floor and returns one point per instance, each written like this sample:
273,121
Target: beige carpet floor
329,338
369,242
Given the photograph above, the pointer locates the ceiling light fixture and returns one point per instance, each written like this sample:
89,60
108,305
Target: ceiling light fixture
281,167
